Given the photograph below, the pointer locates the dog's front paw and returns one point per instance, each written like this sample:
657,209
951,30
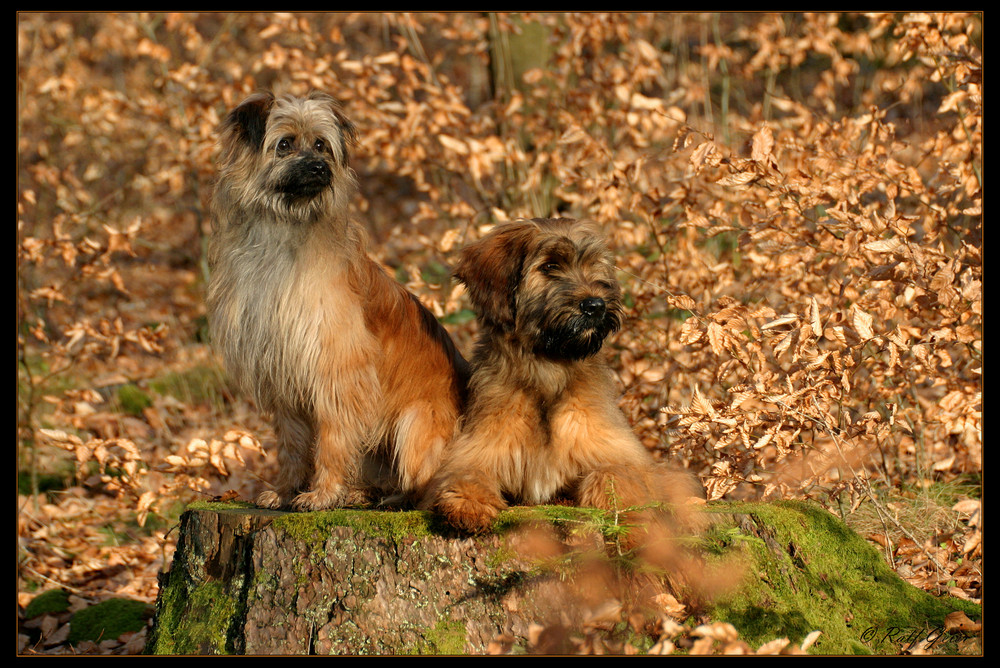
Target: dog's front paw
270,499
319,499
469,515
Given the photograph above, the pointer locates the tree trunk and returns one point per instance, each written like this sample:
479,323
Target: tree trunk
252,581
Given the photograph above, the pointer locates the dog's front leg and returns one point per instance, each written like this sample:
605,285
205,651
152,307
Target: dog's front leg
296,440
486,459
346,417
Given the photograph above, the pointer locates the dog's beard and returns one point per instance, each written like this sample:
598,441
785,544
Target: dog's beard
574,333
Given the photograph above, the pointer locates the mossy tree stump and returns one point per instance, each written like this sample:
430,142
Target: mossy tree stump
804,570
252,581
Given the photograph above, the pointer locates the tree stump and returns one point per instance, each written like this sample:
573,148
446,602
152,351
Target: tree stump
251,581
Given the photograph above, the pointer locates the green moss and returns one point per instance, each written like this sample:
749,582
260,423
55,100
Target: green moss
108,619
611,527
197,616
397,525
446,637
221,507
132,399
47,603
818,575
567,517
392,525
194,620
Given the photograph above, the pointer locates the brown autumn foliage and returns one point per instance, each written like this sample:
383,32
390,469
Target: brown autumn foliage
795,201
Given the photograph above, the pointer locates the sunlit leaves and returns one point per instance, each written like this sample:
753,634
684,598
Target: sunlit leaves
804,275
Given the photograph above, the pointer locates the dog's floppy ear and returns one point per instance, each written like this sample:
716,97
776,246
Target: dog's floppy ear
491,270
247,123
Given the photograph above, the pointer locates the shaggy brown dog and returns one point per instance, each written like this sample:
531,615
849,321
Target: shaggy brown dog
350,365
542,419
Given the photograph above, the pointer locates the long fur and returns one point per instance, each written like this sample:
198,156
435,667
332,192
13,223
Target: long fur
358,376
542,419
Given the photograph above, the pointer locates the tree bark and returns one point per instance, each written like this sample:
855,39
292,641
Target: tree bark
252,581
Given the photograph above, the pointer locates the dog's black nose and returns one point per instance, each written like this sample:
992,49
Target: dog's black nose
318,168
593,306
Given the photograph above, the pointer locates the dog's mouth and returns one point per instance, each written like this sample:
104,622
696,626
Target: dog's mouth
305,180
581,335
570,345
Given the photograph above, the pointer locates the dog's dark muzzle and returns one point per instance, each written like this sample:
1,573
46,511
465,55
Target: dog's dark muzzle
580,335
306,179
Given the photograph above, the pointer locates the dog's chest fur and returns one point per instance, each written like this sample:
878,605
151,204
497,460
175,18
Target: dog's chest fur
278,309
549,419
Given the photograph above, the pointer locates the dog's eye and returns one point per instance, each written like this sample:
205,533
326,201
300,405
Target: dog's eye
549,267
284,144
319,145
